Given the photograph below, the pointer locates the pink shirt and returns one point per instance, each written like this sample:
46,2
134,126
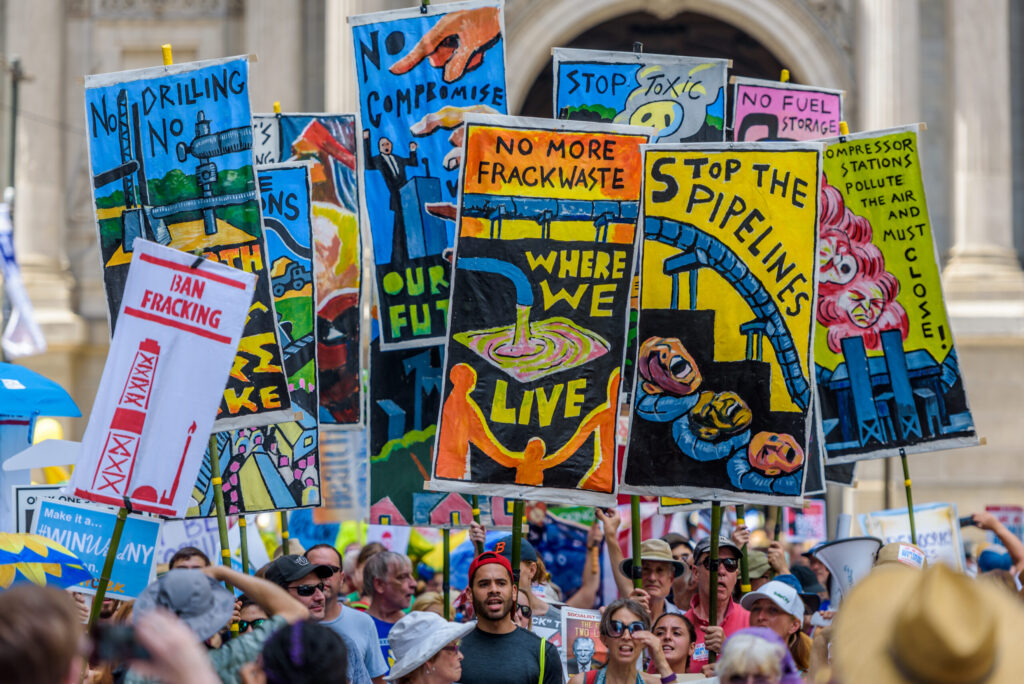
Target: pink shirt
736,618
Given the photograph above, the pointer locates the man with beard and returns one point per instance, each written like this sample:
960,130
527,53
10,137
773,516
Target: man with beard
497,651
731,616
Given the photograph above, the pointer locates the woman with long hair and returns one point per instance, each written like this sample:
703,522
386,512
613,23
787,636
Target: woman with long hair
625,627
678,638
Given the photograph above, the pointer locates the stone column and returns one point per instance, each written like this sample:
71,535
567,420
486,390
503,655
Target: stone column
888,49
983,264
35,32
273,31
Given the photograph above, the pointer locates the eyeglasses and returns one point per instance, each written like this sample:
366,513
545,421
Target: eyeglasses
307,590
727,564
617,628
453,647
244,625
525,610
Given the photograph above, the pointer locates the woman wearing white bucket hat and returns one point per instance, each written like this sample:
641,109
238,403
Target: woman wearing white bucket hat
426,649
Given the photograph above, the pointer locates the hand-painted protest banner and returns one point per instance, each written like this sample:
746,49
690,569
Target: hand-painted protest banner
683,98
85,530
537,333
773,110
724,385
171,157
179,325
581,639
327,142
419,72
889,379
344,466
277,466
937,526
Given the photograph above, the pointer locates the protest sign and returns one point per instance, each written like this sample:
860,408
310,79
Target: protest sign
394,539
581,639
203,534
537,327
28,499
683,98
327,143
85,531
170,152
724,386
1011,516
937,526
549,626
888,375
277,466
772,110
344,465
178,330
419,71
806,522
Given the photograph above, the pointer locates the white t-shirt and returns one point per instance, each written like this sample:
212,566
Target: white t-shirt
358,627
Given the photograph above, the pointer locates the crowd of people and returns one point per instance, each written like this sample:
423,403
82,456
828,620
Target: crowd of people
364,616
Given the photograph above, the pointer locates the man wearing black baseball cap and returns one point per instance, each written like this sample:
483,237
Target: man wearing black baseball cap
497,651
305,581
731,616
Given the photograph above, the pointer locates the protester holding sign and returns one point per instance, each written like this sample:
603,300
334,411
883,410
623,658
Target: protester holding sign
731,616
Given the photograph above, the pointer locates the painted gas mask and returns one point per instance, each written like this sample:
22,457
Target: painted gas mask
773,454
719,415
666,366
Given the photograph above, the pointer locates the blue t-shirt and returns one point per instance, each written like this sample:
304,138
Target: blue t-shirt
359,628
383,629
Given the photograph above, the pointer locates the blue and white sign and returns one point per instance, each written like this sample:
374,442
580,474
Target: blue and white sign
85,530
937,526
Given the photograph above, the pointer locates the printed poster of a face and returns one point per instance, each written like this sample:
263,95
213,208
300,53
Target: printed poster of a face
327,142
724,385
418,74
171,158
682,98
538,323
889,379
777,111
277,466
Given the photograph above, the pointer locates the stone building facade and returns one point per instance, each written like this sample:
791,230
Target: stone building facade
956,64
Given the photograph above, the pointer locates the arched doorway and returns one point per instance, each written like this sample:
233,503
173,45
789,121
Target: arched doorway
687,33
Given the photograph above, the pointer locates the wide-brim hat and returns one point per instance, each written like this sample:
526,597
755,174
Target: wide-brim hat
654,550
418,637
196,598
899,625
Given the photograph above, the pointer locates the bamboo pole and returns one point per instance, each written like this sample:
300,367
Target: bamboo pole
635,533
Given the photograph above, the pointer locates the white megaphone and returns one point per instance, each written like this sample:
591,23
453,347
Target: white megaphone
849,560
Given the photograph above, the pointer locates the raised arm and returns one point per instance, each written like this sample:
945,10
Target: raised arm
1014,546
266,594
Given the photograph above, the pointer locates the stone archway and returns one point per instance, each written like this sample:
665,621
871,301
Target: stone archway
786,29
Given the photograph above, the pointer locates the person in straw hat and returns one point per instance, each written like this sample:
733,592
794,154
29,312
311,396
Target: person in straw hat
658,569
426,649
903,626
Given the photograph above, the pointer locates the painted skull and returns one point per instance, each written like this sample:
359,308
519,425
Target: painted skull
666,366
773,454
719,415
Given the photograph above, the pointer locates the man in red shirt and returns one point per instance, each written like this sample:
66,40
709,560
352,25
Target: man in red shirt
731,616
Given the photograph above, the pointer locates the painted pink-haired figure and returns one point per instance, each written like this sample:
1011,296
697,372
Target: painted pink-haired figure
856,295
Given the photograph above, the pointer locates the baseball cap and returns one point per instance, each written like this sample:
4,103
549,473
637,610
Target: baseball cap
287,569
704,546
779,593
808,580
994,559
757,564
526,550
812,602
902,552
196,598
486,558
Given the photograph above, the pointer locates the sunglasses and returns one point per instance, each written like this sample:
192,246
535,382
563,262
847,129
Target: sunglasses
617,628
727,564
525,610
244,625
749,679
453,647
334,568
307,590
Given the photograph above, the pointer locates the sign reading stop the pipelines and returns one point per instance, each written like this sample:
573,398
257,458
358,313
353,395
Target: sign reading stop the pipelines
178,329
